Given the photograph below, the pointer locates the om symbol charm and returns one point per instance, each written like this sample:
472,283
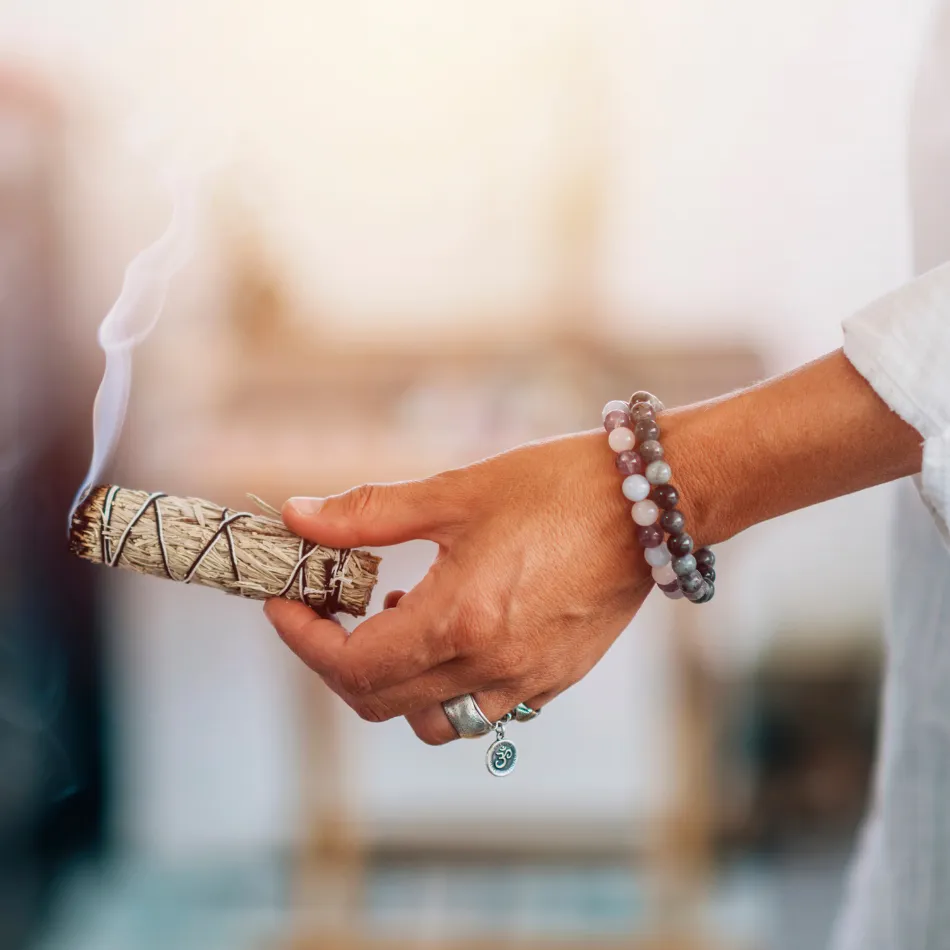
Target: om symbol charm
502,754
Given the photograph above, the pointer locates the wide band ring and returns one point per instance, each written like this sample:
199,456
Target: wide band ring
466,717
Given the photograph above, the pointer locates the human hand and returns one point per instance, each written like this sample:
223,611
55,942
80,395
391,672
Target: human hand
538,568
538,572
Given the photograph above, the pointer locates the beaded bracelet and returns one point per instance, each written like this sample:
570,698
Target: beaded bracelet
677,570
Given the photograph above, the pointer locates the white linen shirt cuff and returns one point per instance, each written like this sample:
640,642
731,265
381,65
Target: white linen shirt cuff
901,345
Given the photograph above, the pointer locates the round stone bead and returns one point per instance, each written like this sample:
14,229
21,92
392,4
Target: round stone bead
650,535
697,596
709,573
651,450
635,487
642,410
673,522
674,594
710,593
616,419
621,439
691,583
684,565
680,544
658,556
666,496
669,588
705,556
645,512
646,430
629,463
615,405
641,395
657,473
664,574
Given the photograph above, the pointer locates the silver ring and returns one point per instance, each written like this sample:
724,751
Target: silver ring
524,713
466,717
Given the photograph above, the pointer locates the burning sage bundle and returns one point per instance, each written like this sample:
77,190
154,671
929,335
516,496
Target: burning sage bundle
195,541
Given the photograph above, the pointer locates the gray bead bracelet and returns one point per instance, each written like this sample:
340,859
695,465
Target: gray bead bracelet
633,432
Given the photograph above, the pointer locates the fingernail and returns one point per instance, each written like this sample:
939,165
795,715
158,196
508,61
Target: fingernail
306,506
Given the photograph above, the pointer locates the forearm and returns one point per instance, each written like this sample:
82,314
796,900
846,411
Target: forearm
806,437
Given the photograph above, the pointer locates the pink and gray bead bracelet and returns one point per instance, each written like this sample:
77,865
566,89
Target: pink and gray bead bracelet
634,433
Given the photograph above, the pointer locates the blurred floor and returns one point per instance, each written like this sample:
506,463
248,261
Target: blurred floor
808,891
785,903
127,907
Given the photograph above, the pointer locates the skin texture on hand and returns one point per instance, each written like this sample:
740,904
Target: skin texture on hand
538,569
816,433
538,572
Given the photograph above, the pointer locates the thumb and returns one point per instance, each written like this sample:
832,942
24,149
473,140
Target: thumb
377,514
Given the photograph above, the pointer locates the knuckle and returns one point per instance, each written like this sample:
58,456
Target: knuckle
373,710
508,664
445,641
361,501
430,735
481,631
474,628
517,659
354,681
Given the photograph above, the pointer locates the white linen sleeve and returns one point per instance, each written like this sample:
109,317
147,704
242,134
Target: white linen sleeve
901,345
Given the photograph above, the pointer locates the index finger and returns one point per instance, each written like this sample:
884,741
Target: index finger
389,648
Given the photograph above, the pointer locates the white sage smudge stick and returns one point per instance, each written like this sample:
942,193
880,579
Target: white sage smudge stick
197,542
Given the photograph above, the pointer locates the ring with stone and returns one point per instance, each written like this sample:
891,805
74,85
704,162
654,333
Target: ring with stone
524,713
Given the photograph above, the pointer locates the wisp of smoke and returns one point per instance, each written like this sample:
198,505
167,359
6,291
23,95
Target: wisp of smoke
133,317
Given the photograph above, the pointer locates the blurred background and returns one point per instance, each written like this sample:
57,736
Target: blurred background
433,230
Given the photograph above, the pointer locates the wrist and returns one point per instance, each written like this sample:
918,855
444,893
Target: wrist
706,471
602,482
794,441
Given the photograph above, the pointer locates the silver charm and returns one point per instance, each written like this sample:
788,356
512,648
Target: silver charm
502,754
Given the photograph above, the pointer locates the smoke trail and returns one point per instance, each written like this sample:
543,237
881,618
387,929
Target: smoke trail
133,317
